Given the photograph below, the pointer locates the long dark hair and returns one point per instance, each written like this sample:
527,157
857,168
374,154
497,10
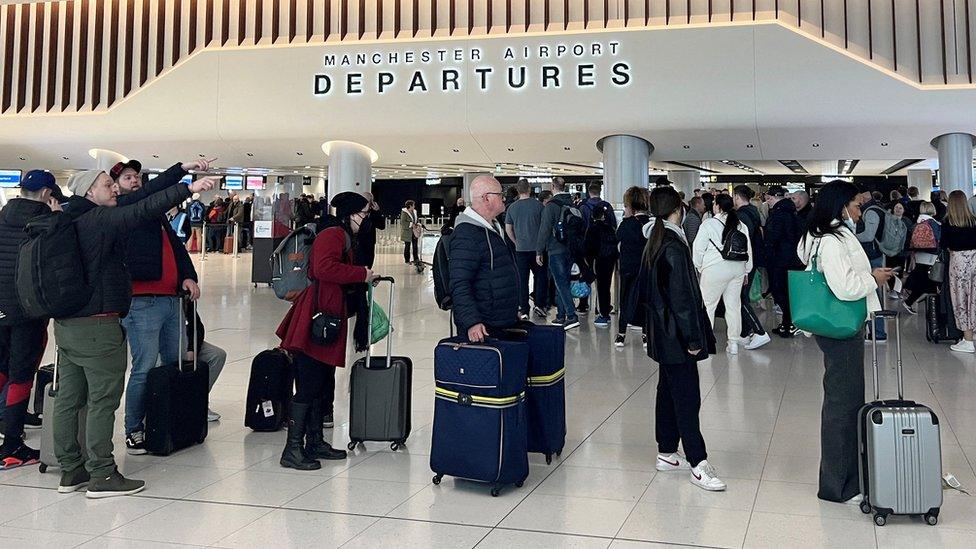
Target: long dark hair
664,202
724,203
829,208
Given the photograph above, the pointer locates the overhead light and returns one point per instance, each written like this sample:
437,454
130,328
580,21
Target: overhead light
249,154
884,143
816,145
686,146
750,146
565,148
155,156
202,155
300,153
23,158
510,149
403,151
307,167
64,158
456,150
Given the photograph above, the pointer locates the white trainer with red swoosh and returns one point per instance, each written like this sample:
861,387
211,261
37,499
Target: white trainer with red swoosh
672,462
704,476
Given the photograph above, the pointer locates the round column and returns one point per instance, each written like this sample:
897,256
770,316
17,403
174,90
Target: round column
923,180
105,159
685,181
955,161
350,167
624,165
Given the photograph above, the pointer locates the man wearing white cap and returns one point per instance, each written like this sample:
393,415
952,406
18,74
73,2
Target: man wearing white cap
91,343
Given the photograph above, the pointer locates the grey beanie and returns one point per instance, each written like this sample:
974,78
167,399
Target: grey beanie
82,181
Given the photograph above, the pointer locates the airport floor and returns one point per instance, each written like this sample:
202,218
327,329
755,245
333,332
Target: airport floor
760,416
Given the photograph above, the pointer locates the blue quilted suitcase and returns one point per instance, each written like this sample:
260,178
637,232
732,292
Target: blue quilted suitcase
479,428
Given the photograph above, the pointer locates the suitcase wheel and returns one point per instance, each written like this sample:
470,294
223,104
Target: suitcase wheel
865,507
42,468
931,519
880,519
352,445
394,446
519,483
437,479
548,459
495,490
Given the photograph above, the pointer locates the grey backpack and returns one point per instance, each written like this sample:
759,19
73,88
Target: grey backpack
892,233
289,263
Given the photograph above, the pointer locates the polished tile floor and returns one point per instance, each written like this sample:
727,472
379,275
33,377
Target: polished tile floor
760,417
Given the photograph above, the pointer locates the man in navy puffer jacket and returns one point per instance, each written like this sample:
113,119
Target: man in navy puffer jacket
484,281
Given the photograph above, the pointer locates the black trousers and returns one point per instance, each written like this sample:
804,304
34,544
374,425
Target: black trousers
779,287
21,348
525,263
407,246
630,310
603,268
676,411
843,397
918,284
314,379
750,320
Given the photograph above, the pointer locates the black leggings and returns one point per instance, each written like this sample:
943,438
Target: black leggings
314,379
631,313
407,246
603,268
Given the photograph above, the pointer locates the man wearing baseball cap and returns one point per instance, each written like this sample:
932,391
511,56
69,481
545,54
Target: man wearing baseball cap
22,339
782,234
160,268
91,342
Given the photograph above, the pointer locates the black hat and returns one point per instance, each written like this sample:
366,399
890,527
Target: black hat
348,203
776,190
116,170
36,180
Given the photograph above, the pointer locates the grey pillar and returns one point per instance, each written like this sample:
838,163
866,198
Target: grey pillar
350,167
955,161
923,180
685,181
624,165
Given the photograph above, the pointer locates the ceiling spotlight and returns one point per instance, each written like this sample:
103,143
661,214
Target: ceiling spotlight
566,148
64,158
686,146
202,155
23,158
249,154
403,151
815,145
307,167
884,143
750,145
510,149
155,156
456,150
403,165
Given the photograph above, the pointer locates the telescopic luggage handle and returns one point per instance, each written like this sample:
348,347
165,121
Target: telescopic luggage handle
389,314
183,296
884,315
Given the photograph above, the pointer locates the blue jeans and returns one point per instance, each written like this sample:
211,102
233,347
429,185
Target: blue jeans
559,267
879,323
152,329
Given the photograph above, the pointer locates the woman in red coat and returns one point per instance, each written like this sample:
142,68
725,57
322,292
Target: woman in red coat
330,270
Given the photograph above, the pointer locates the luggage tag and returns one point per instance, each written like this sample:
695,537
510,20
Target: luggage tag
268,408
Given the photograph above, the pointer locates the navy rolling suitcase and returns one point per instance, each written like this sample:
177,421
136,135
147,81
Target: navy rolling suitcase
479,428
545,394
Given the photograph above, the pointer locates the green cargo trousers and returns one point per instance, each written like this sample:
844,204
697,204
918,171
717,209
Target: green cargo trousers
91,372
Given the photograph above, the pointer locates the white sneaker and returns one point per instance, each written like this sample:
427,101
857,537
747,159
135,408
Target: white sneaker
672,462
777,310
856,500
212,416
705,477
757,341
964,347
732,348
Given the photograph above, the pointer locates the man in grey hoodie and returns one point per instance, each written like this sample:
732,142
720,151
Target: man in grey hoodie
560,259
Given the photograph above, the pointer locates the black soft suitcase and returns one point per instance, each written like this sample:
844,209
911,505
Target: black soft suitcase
176,401
269,391
379,394
45,375
940,323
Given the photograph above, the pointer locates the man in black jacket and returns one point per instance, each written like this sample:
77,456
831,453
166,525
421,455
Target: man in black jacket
160,268
484,282
781,238
22,339
753,333
91,342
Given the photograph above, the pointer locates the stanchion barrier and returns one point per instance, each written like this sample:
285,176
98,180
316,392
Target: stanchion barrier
237,232
203,252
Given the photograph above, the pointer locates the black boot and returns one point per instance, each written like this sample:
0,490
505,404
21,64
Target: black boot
315,444
293,455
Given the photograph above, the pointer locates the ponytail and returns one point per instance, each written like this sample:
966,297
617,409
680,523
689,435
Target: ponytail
654,241
724,203
664,201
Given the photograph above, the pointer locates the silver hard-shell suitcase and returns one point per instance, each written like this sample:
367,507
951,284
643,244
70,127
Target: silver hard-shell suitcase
48,459
380,389
900,462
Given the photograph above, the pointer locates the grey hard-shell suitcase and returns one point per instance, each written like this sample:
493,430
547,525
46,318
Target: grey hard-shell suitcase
379,393
900,463
48,459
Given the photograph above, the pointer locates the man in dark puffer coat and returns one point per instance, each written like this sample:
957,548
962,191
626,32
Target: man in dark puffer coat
484,282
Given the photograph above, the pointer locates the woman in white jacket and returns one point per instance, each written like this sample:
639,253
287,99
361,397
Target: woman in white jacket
723,277
830,236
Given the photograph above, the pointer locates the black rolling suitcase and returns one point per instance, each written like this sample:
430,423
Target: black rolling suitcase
940,322
379,394
176,401
269,391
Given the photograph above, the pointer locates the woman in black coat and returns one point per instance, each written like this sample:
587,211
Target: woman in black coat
679,335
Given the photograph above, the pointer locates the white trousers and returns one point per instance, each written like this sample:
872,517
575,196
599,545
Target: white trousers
724,281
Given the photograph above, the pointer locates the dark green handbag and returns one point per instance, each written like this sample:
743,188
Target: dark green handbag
817,310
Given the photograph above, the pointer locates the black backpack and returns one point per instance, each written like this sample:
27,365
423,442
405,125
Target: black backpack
570,229
50,278
735,246
442,271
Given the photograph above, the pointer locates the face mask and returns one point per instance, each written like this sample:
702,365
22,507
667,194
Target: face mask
849,221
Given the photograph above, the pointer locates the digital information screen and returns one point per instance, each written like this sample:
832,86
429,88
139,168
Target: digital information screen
254,183
233,182
10,178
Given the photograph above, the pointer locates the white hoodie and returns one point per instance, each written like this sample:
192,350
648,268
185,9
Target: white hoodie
707,248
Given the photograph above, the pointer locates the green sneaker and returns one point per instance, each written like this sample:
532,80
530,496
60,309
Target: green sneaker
72,481
113,485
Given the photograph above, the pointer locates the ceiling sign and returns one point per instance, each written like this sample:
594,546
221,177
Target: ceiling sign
555,66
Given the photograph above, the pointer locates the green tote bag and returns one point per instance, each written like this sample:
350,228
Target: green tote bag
817,310
379,323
